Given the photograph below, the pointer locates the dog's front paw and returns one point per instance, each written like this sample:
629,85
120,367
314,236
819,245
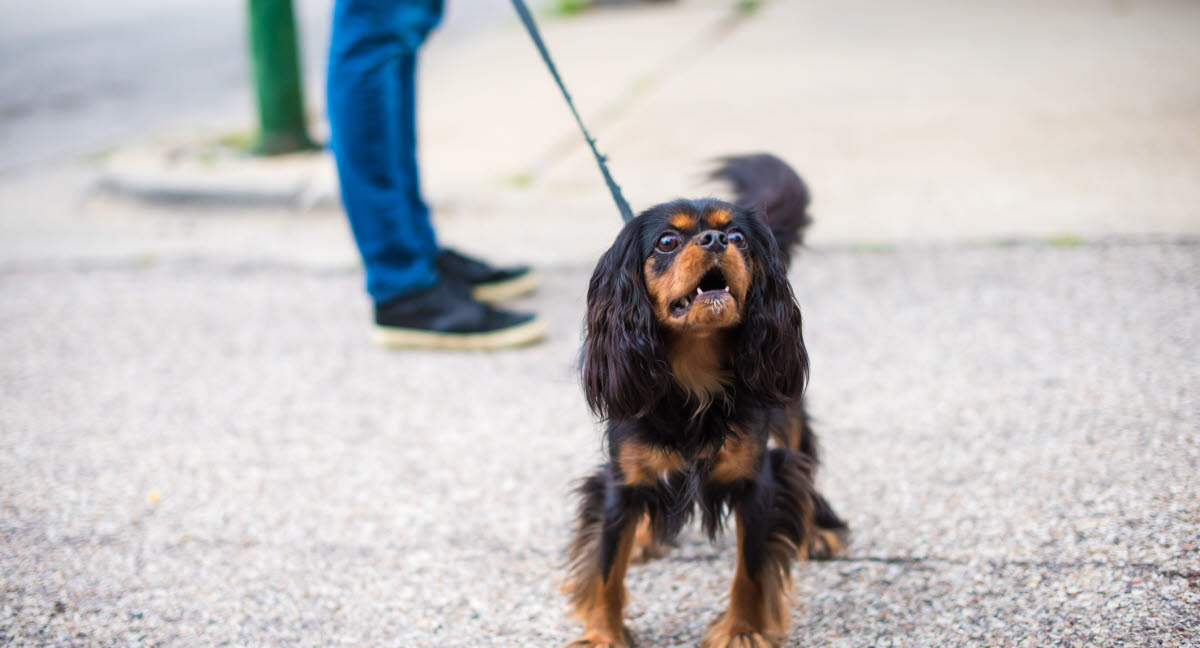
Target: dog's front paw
592,639
725,633
737,640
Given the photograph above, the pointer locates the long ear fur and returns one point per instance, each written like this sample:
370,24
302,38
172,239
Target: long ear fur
624,369
770,361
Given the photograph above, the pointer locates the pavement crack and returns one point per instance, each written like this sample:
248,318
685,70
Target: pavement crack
927,562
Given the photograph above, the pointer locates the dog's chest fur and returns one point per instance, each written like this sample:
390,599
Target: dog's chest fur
699,366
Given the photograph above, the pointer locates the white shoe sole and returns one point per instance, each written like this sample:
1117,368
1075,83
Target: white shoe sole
510,289
391,337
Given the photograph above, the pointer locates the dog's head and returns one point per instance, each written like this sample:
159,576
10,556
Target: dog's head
689,280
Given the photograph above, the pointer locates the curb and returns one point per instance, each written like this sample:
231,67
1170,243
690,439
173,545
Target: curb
221,177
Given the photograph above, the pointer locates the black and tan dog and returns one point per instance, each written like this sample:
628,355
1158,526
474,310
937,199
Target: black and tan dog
694,357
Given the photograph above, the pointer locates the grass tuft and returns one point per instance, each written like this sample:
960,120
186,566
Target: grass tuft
570,7
1065,241
748,7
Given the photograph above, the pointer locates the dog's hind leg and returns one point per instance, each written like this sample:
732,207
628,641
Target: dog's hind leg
830,535
646,546
774,514
791,428
599,556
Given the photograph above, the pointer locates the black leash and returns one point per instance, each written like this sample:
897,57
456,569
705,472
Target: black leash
531,27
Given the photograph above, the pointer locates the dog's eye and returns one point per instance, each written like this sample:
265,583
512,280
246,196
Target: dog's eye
737,238
667,242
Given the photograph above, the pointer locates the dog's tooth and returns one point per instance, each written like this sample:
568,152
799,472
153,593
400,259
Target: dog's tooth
699,290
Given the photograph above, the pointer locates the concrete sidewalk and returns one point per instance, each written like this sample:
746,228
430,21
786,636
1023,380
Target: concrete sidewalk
203,454
931,123
198,446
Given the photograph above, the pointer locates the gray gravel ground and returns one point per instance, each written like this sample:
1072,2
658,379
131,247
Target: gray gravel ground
198,454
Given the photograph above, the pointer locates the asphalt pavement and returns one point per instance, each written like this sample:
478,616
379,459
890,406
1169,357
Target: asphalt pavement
77,78
199,446
204,454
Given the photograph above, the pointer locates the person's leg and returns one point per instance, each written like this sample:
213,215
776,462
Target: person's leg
407,152
372,115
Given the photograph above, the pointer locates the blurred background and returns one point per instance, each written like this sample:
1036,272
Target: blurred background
198,445
966,123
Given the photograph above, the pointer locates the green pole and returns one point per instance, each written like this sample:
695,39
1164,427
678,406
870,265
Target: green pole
277,78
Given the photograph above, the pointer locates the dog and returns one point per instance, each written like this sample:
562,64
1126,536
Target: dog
695,359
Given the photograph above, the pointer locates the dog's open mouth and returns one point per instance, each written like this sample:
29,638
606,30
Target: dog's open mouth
712,286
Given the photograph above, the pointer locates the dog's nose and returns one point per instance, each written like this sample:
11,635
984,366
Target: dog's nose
713,241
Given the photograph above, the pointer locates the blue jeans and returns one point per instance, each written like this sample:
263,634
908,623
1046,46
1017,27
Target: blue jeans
371,100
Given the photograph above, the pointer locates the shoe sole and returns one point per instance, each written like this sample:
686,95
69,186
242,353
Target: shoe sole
391,337
507,289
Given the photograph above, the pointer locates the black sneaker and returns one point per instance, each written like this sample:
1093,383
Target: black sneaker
487,283
446,317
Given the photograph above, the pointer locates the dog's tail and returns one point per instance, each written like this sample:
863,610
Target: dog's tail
763,181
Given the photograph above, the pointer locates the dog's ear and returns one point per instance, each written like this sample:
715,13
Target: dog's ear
770,359
624,369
